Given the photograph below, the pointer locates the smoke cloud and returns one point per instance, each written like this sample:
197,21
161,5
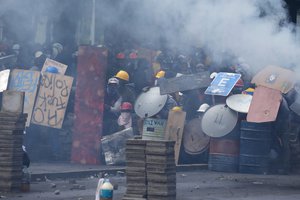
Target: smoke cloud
259,31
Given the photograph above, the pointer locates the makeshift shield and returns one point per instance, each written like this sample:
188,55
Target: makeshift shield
219,120
239,102
4,75
264,105
275,78
149,103
194,140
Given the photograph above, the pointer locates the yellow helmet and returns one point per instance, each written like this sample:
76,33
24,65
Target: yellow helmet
122,75
160,74
176,108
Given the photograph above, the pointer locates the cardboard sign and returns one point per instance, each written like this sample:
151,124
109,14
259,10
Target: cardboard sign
276,78
264,106
154,129
223,84
184,82
52,100
174,130
4,75
61,67
25,81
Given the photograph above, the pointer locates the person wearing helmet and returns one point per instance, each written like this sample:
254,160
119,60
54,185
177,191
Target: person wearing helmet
202,109
159,75
57,49
112,103
125,89
125,118
122,75
176,109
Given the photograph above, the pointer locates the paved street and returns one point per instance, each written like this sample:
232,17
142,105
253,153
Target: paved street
196,185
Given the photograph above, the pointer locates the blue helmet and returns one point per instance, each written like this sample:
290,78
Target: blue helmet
52,69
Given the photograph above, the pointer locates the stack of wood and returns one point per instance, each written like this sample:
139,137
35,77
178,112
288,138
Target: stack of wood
161,170
136,170
12,127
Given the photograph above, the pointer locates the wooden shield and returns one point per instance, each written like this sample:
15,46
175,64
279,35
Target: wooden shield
264,105
25,81
184,82
174,130
276,78
61,67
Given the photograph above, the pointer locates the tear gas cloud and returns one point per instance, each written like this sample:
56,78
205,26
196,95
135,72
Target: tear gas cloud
257,30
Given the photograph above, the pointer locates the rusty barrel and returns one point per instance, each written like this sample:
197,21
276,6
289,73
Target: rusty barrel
255,146
224,152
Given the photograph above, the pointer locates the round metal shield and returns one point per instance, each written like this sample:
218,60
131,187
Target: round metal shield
194,140
4,75
219,120
239,102
149,103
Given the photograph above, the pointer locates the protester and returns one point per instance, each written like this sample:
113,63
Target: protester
125,90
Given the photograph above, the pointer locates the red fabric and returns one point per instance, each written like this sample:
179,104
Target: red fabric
89,100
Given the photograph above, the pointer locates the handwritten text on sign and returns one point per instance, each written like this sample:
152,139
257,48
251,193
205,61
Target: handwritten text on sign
52,100
25,81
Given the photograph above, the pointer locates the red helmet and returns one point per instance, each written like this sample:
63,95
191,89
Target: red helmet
133,55
120,55
126,106
239,83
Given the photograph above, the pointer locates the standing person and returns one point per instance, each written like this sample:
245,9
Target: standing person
112,103
125,89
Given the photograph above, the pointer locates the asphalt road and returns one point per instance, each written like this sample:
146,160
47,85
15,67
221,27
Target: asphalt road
197,185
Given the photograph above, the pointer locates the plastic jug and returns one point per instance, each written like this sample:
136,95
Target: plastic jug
106,190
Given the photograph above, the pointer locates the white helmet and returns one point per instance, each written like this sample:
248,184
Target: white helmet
203,107
213,75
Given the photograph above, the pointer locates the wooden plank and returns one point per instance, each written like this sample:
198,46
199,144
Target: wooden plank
184,82
265,105
52,100
174,130
277,78
25,81
61,67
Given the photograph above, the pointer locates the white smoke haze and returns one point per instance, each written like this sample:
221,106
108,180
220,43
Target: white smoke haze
257,30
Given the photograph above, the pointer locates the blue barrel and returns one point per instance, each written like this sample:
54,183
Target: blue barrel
224,152
255,146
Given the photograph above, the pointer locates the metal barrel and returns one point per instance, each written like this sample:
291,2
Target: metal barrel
224,152
255,146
